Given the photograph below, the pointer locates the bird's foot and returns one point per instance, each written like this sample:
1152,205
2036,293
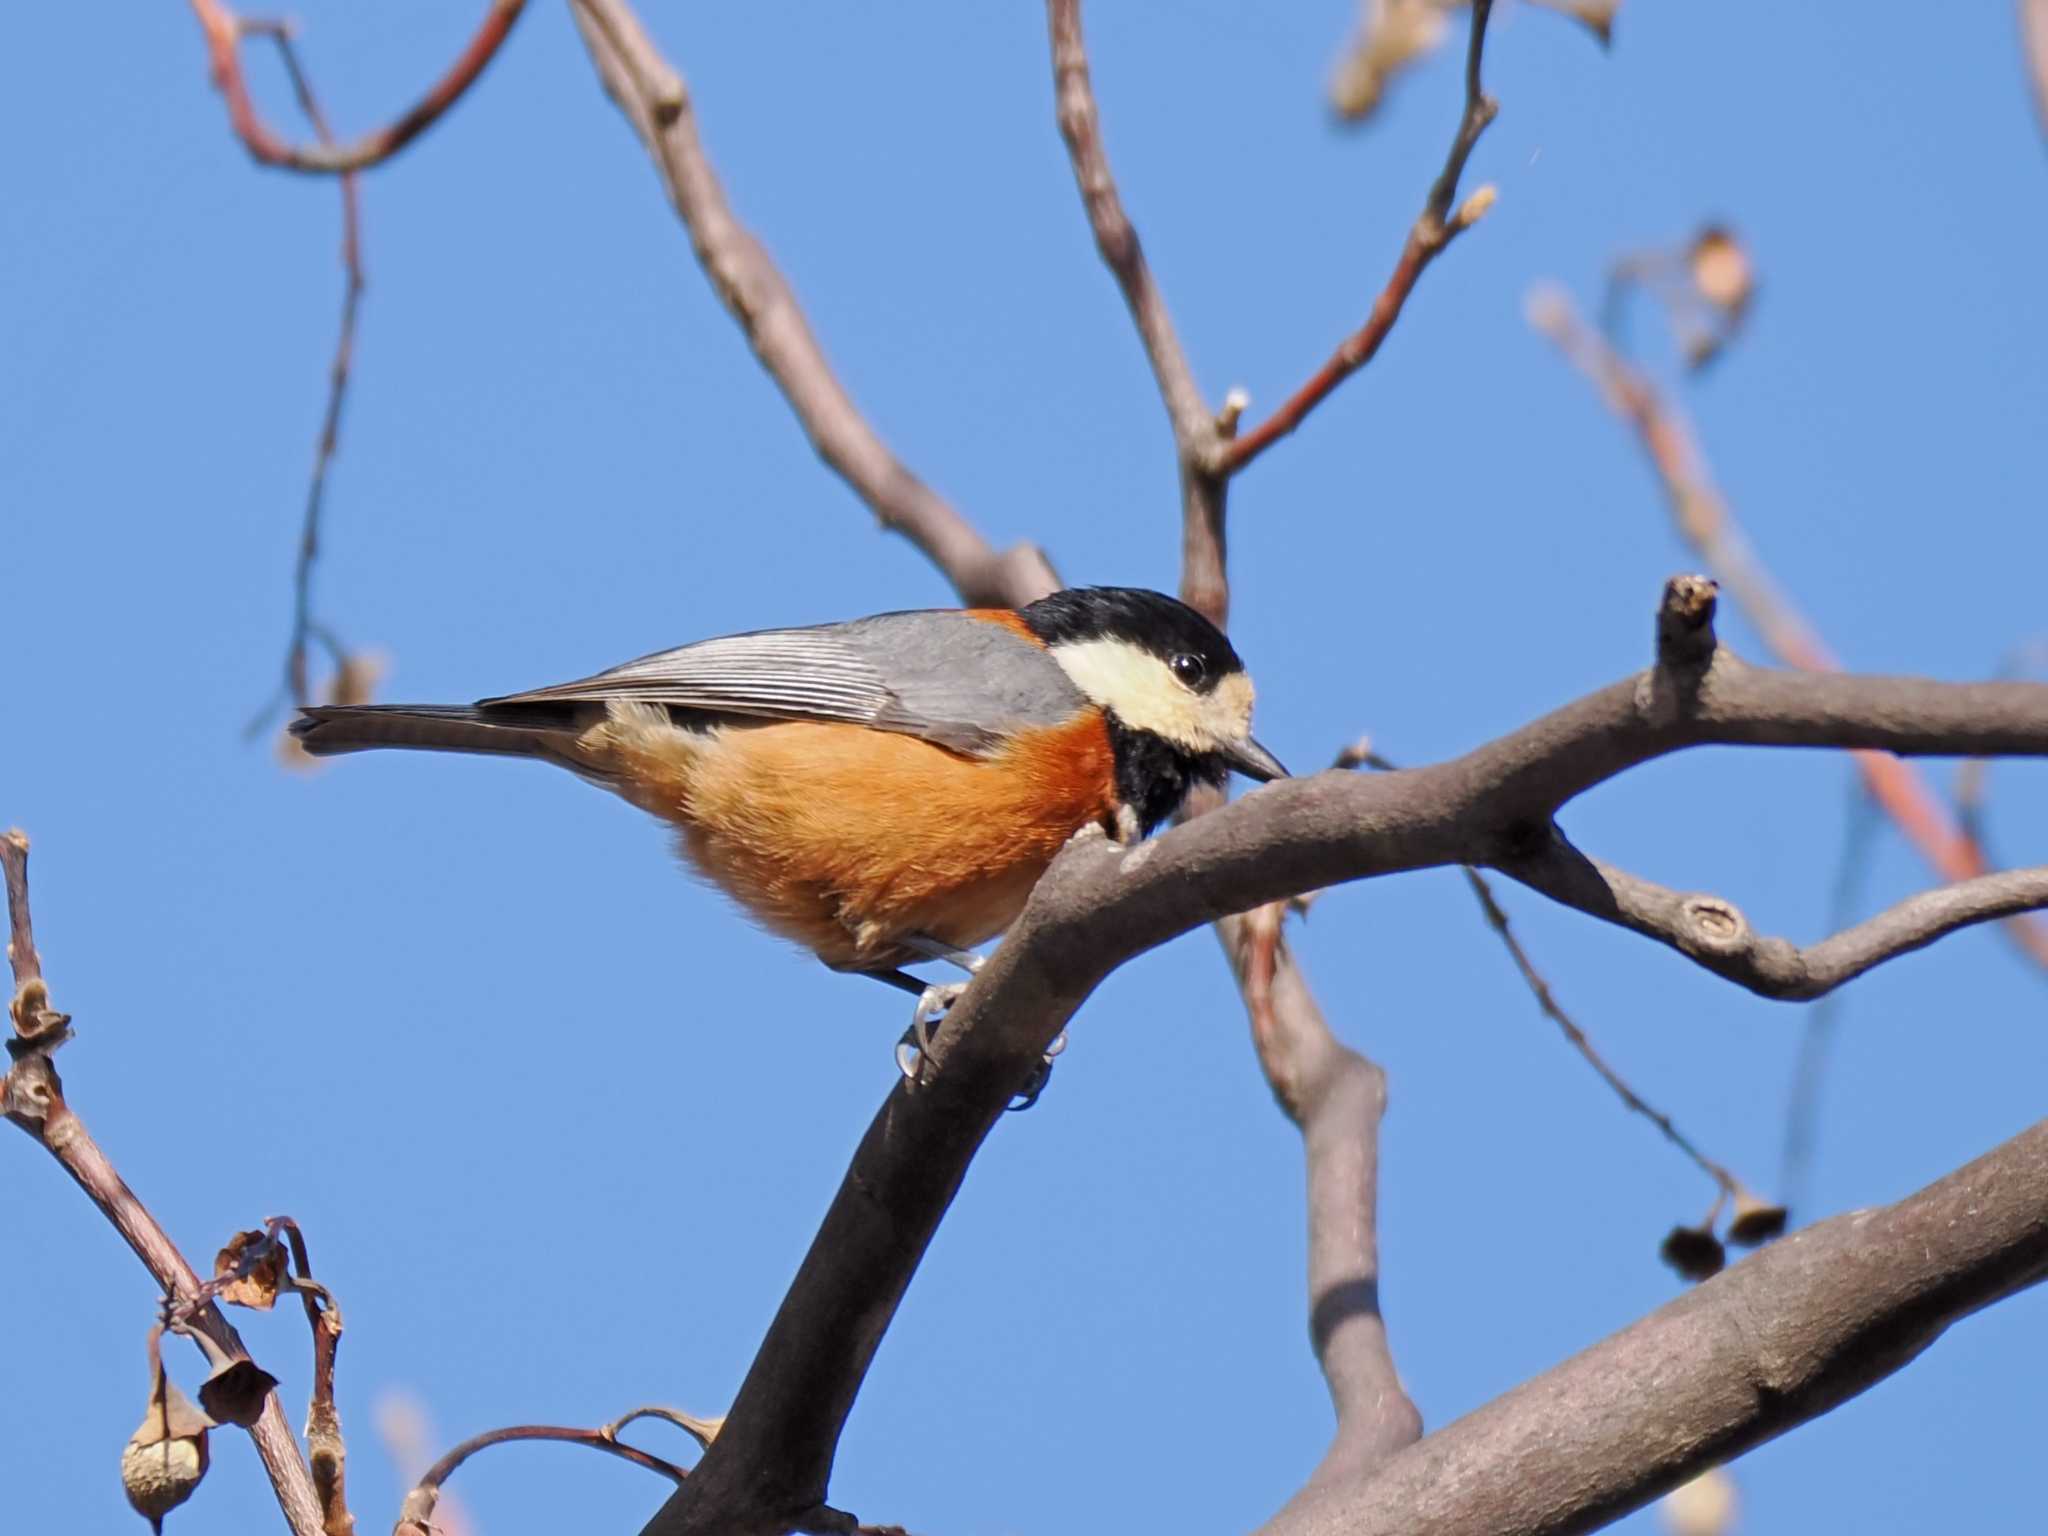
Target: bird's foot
913,1051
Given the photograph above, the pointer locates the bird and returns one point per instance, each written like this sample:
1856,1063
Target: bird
884,791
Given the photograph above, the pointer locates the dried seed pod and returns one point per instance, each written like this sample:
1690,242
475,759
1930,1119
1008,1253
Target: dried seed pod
166,1456
1694,1252
1756,1221
235,1392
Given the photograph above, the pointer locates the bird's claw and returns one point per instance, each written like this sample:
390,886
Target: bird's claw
913,1051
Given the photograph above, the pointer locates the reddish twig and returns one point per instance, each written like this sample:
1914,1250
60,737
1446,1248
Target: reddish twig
1333,1095
1706,522
1437,227
304,628
2034,43
34,1100
224,32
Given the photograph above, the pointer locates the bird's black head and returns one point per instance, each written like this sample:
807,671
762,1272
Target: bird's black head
1176,695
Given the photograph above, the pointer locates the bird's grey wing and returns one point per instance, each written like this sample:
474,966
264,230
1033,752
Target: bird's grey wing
942,675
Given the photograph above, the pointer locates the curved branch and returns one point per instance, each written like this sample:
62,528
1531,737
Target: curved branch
1715,933
654,100
1101,904
416,1514
1704,519
1777,1340
224,32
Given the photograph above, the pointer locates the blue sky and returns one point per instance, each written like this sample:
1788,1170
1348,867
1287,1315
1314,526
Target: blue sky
560,1126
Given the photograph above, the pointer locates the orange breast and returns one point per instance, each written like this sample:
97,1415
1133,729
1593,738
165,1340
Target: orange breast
845,839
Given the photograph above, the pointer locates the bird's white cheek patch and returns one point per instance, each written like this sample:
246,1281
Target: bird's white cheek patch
1137,685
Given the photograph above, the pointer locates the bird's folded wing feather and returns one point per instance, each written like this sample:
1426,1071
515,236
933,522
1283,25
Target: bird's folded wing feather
960,682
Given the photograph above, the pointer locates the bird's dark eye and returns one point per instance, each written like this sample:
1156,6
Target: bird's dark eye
1189,668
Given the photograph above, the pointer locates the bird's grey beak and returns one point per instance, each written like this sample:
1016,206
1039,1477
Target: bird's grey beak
1254,761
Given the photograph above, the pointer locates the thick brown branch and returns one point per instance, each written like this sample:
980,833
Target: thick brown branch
1705,521
1433,231
1115,238
1775,1341
652,96
1101,904
224,31
1715,933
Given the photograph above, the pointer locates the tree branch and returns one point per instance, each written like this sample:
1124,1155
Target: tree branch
1705,521
1100,904
224,31
2034,45
1081,127
1715,933
1776,1340
1336,1097
654,100
34,1100
1433,231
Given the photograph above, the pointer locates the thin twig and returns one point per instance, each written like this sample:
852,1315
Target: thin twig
416,1515
1816,1040
1539,987
1437,227
224,32
1707,523
1081,127
2034,45
304,628
34,1098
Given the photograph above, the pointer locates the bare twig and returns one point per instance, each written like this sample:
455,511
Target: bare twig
224,32
1497,919
1776,1340
304,628
417,1513
325,1447
1432,232
1714,932
1081,127
1817,1038
1706,522
652,96
2034,44
34,1098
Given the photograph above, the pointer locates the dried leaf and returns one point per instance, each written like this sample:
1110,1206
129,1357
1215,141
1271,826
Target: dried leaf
236,1392
1721,270
1392,36
1694,1252
250,1271
1596,16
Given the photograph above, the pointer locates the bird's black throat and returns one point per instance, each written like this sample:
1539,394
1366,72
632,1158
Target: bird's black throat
1153,776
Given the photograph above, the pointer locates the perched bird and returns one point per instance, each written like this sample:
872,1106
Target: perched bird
884,791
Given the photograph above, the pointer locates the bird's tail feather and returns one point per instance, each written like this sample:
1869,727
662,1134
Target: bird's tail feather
326,730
